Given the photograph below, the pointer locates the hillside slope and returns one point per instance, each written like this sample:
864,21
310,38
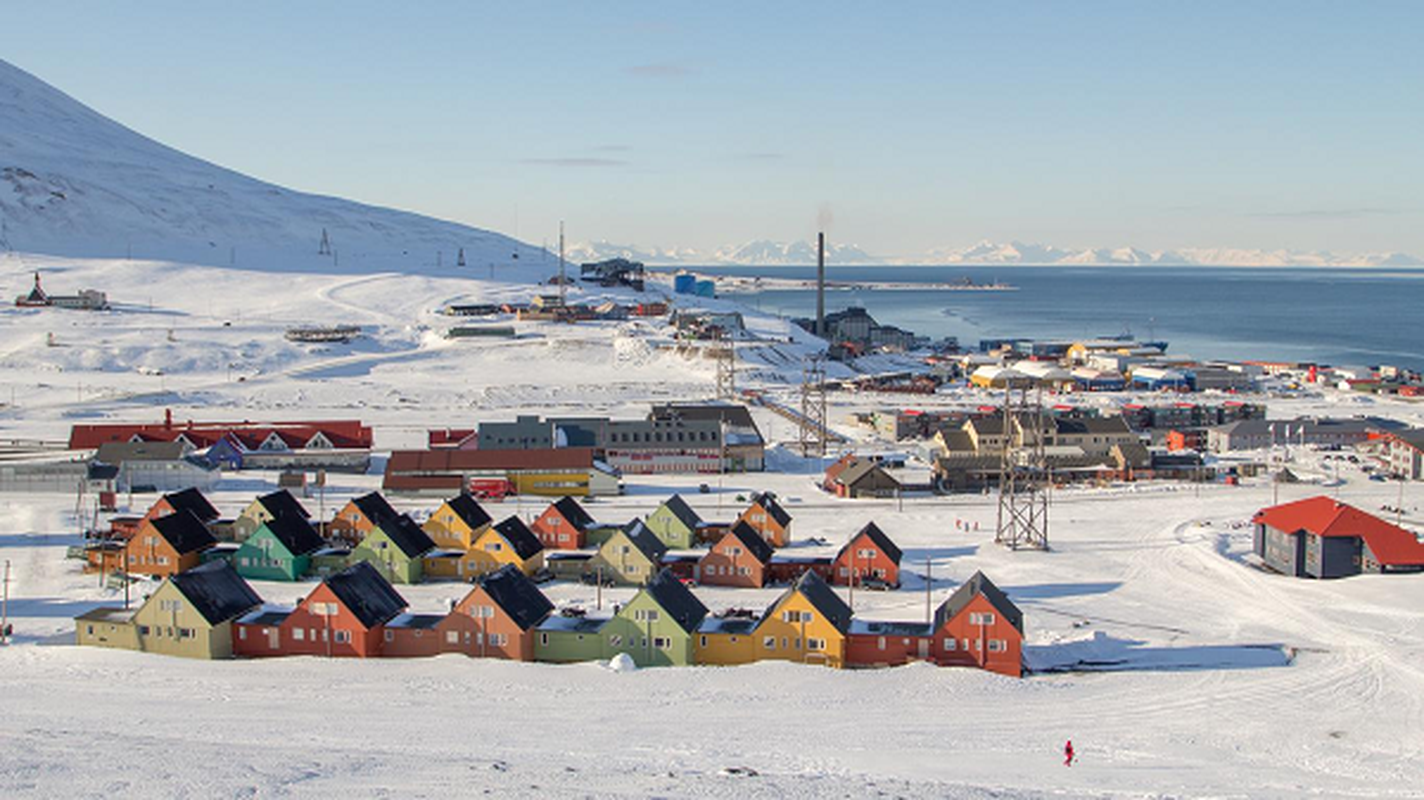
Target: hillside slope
75,183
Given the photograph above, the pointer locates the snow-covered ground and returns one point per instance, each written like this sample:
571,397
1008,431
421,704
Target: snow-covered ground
1189,672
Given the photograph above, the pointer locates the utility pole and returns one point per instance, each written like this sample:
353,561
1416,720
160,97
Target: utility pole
5,608
563,292
929,591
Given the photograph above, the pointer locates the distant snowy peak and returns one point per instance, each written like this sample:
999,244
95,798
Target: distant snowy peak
75,183
758,253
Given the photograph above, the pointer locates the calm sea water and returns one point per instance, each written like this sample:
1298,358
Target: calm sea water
1334,316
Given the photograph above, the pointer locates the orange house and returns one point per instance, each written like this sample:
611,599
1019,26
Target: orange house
190,499
868,556
769,519
562,526
345,616
739,558
497,618
167,545
359,516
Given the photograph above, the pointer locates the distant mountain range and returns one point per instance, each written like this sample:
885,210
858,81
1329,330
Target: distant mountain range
768,253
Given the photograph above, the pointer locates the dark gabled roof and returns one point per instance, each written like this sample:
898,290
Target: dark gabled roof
194,501
518,596
374,506
1089,425
406,535
645,540
281,503
858,469
975,586
366,594
767,501
676,600
295,534
877,536
216,591
469,511
574,513
523,540
683,512
752,540
184,531
821,597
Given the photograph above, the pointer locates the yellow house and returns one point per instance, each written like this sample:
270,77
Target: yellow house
808,624
458,523
725,641
267,507
509,542
190,615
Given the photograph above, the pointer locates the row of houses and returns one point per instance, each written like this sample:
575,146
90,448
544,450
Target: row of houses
211,612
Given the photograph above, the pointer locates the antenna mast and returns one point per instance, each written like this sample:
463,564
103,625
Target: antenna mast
1024,476
324,249
562,291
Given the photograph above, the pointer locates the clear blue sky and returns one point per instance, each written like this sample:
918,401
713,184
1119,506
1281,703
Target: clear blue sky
911,126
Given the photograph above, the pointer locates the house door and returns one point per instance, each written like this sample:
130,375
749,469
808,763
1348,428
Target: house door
273,636
924,648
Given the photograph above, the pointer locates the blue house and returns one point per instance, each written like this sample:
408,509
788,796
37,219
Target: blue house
280,549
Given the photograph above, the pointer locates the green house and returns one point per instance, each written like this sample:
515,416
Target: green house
656,627
675,523
395,547
561,639
280,549
631,556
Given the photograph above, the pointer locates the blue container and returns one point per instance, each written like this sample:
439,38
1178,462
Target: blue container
706,288
684,284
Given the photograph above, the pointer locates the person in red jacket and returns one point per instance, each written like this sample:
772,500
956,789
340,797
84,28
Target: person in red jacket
1068,754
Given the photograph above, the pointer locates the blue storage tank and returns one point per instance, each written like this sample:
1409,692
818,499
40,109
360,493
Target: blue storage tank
706,288
684,283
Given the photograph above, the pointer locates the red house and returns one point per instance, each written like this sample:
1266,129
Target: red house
769,519
346,616
978,626
562,525
497,618
190,499
739,558
868,556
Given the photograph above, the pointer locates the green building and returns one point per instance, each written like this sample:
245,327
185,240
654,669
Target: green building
280,549
656,627
675,523
631,556
395,547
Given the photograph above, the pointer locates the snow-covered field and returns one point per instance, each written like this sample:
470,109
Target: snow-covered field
1216,679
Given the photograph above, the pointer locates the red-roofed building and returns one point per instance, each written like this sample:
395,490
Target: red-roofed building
1323,538
338,445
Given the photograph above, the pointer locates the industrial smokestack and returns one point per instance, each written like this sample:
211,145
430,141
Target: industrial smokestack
821,284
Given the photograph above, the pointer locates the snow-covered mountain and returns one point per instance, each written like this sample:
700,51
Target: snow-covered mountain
75,183
765,253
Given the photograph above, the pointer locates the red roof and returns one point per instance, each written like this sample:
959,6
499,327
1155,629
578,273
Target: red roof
341,433
448,437
1324,516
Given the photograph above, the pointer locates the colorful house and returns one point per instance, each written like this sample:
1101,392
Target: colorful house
497,619
345,616
563,525
397,547
457,523
569,637
868,556
167,545
280,503
633,555
360,514
675,523
807,624
189,499
656,628
739,558
769,519
281,549
726,641
190,616
508,543
978,626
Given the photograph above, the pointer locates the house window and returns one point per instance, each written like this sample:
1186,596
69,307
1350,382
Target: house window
815,644
299,634
984,618
615,641
498,639
241,633
949,644
543,638
390,636
997,645
769,642
186,633
90,630
494,547
702,641
452,637
143,630
661,642
342,636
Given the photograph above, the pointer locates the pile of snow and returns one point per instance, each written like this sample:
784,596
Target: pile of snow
622,663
